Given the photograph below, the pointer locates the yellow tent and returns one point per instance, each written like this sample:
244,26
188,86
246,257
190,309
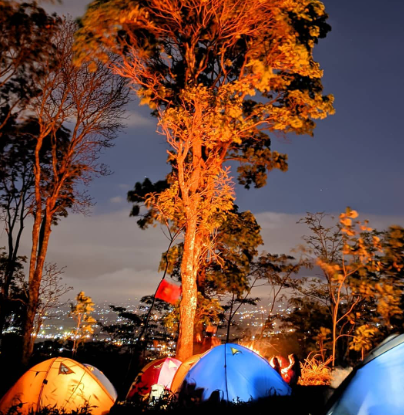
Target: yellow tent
182,372
63,383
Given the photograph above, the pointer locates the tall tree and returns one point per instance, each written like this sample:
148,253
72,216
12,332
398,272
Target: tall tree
50,293
17,158
199,64
16,189
25,29
91,101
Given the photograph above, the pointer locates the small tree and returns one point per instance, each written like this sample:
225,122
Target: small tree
349,277
362,340
279,272
323,340
51,291
360,285
81,312
389,293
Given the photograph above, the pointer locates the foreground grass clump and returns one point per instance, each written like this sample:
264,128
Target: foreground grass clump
304,401
47,410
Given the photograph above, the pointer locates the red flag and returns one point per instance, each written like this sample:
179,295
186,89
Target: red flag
168,292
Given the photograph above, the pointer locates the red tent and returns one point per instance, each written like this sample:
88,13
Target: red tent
158,372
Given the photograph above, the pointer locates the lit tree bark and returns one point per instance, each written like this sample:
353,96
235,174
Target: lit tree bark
37,263
189,294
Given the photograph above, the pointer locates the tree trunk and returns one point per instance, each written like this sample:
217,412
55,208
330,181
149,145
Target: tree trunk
37,262
230,319
185,344
75,345
334,333
4,296
12,259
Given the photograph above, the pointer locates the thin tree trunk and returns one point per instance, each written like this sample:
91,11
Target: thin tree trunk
74,351
5,293
230,319
334,333
12,257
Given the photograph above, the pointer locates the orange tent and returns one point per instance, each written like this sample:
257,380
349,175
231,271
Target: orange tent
182,372
63,383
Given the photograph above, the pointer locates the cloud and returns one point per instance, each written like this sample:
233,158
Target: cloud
120,286
111,259
126,284
281,232
116,199
105,255
135,119
74,8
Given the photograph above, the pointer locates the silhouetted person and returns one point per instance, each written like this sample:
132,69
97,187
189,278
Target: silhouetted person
293,371
274,362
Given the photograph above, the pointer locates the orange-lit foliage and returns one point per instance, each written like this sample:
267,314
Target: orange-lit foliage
81,313
348,280
199,64
358,298
315,371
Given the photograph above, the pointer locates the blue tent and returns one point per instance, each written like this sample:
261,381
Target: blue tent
231,372
376,386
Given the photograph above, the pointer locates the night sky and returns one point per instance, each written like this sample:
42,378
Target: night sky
354,159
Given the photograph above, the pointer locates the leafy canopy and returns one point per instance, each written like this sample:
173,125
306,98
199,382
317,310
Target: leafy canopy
249,63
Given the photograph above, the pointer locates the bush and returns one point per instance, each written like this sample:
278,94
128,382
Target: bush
315,372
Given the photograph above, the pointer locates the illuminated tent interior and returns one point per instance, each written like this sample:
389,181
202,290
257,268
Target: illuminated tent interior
63,383
231,372
376,385
158,372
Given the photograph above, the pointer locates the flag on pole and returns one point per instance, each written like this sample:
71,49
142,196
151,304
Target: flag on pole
168,292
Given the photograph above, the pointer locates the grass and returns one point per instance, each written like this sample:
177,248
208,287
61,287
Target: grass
304,401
